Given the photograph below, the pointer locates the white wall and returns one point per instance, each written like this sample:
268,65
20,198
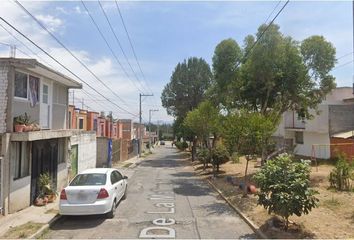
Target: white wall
3,97
320,123
311,138
337,95
86,149
19,194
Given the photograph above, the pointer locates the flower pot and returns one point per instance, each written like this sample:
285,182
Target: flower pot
28,128
19,127
39,201
51,198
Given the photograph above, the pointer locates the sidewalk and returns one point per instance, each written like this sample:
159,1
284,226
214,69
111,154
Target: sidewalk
34,214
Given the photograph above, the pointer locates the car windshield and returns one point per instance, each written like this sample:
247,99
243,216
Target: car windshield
89,179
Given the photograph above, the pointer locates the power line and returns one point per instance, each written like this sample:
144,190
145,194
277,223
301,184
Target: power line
54,59
73,55
108,45
120,45
345,55
130,41
35,54
342,65
272,11
261,35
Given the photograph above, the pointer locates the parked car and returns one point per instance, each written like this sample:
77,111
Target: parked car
94,191
162,142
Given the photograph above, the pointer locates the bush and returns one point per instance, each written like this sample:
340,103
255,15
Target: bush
235,158
340,176
181,145
219,155
203,155
285,187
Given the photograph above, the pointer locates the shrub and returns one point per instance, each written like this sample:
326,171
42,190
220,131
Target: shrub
285,187
235,157
340,176
219,155
203,155
181,145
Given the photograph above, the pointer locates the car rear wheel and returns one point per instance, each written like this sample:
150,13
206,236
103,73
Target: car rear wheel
112,213
125,193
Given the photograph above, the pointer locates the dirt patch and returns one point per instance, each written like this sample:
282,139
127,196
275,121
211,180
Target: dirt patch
22,231
334,218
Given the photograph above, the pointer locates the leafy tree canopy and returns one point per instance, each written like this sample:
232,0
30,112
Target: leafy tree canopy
187,87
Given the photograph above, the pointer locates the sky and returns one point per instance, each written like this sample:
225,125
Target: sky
163,33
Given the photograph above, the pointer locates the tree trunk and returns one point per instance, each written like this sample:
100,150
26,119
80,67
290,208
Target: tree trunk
245,179
194,149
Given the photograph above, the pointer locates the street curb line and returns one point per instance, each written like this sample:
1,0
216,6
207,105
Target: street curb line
239,212
44,227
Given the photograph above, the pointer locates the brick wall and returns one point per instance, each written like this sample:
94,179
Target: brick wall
3,97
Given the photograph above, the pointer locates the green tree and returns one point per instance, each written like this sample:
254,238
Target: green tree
226,56
285,188
203,122
249,134
280,74
187,87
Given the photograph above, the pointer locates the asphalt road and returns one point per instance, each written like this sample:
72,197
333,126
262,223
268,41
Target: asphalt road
165,200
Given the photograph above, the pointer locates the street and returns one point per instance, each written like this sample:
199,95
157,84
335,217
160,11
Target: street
165,200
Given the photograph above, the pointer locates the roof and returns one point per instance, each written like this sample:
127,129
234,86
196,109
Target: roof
347,134
40,69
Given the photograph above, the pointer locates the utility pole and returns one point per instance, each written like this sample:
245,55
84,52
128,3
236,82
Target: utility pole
151,110
140,132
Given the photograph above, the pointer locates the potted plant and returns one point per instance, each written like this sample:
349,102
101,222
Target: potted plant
19,123
22,123
46,188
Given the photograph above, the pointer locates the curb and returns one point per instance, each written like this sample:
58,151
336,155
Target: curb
254,227
45,227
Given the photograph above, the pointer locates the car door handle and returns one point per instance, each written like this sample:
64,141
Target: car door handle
115,188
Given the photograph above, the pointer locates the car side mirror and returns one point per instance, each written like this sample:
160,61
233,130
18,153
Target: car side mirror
125,177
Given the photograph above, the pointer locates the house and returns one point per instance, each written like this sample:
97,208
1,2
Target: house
318,137
27,86
92,122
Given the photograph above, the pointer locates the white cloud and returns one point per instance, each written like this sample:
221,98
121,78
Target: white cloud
51,22
77,9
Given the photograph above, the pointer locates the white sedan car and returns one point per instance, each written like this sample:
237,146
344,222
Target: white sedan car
94,191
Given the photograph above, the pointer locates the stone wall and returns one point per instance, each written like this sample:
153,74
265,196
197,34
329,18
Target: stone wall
3,97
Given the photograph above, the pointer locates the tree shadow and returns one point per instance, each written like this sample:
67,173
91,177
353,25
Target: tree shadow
78,222
161,163
274,228
217,208
186,187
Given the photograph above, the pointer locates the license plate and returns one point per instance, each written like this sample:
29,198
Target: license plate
81,197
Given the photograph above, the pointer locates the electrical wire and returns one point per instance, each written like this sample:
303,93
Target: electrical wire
120,45
245,57
108,45
70,52
58,62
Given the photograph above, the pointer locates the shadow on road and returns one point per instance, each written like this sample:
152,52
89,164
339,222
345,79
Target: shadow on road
169,162
78,222
217,208
188,187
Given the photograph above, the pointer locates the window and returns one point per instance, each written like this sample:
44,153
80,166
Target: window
20,85
102,130
89,179
114,178
95,124
81,123
299,137
70,119
45,94
118,176
20,159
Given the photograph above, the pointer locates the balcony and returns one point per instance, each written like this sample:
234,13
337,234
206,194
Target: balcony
292,121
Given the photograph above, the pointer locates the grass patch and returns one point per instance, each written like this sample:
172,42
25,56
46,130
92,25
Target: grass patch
22,231
127,164
52,211
43,234
332,203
